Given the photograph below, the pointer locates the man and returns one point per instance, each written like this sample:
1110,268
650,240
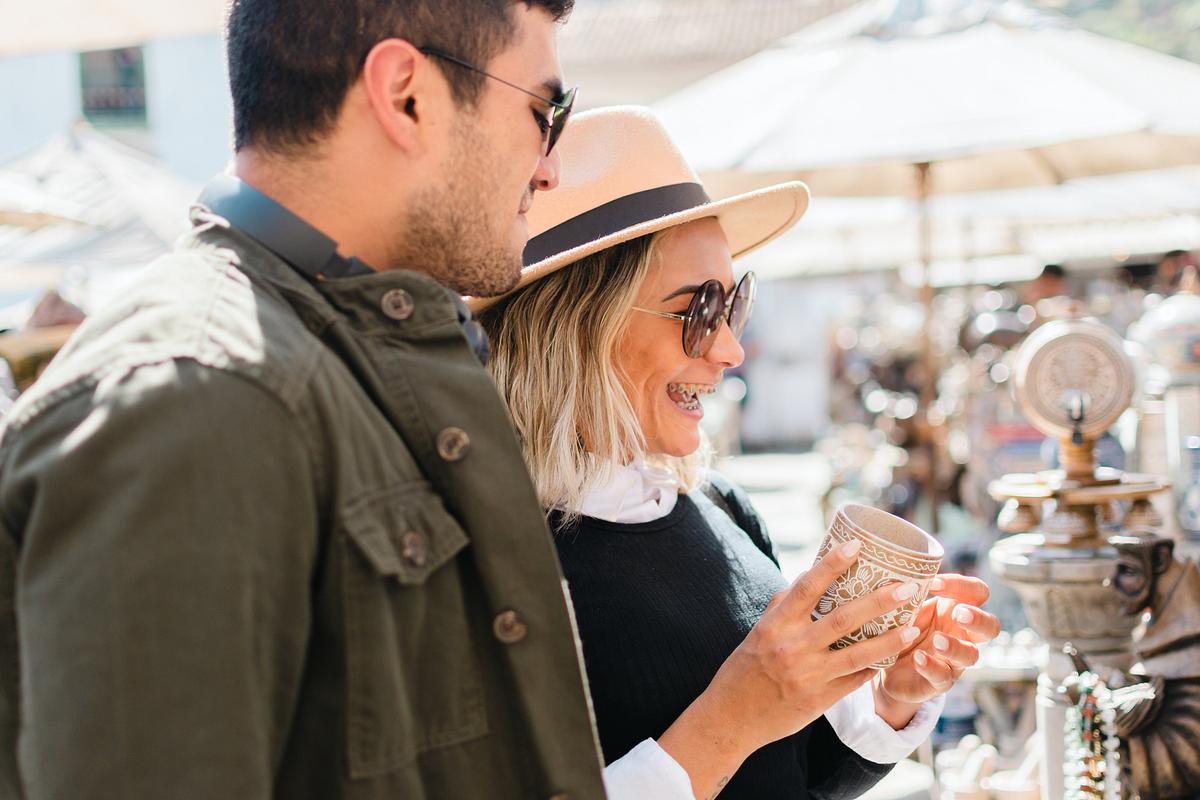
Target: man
1050,283
1171,268
266,529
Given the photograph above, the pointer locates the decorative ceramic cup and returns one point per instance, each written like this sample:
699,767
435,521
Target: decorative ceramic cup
893,550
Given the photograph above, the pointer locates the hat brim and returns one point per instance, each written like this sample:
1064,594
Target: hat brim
749,220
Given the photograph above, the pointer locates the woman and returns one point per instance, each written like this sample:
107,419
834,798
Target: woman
706,671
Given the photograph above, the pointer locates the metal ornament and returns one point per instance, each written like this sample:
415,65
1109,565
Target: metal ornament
1073,379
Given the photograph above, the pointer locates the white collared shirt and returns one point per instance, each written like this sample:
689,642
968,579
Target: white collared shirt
639,492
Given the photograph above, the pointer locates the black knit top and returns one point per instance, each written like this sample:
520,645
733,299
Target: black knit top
660,606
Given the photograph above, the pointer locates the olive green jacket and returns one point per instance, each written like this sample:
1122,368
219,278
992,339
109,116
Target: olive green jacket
269,538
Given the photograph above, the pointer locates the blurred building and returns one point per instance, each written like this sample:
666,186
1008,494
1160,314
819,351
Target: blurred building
169,98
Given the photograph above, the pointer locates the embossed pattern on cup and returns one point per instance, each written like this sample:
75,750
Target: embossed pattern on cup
893,550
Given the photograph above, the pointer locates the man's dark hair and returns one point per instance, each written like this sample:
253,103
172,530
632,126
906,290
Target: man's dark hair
1171,255
291,63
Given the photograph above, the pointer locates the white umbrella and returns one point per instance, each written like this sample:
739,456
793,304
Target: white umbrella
46,25
994,94
24,202
1086,218
118,209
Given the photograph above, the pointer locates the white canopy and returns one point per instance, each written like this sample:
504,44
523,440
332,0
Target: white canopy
1102,217
104,211
32,26
994,94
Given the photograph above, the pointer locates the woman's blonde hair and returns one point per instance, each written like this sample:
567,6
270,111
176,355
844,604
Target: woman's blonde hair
554,359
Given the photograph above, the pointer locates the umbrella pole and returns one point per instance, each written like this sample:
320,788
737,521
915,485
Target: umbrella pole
928,367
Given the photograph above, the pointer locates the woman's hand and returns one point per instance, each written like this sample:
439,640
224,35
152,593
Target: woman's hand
952,623
783,675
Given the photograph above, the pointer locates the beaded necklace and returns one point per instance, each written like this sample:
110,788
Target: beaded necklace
1091,764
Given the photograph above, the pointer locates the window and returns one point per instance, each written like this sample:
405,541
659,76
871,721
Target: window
113,86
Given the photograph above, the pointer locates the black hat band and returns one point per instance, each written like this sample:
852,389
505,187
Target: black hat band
615,215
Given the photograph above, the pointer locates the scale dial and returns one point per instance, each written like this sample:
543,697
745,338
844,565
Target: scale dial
1069,368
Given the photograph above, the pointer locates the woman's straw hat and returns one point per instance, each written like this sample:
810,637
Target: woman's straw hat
622,177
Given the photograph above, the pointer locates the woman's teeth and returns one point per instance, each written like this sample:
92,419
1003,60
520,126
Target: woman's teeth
687,395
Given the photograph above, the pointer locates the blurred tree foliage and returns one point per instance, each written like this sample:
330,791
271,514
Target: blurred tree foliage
1171,26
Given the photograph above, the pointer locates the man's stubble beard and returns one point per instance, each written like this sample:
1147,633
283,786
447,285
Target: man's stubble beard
447,231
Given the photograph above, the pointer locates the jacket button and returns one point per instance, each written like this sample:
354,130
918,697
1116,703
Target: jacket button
453,443
509,627
413,550
397,304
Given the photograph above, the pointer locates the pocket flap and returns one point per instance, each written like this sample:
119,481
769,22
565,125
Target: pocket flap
403,532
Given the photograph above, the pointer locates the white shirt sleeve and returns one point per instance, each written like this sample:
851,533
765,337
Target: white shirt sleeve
647,772
855,722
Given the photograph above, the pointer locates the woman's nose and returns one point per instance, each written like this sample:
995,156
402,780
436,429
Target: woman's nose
726,350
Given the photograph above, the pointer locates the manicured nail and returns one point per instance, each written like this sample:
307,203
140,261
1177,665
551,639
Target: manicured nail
920,658
905,591
964,615
910,634
936,585
940,642
850,548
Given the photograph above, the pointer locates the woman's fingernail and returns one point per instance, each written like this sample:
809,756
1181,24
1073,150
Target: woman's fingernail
850,548
905,591
920,658
940,642
936,585
909,634
964,615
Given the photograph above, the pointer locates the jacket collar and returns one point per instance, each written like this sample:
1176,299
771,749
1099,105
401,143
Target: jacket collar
309,251
366,299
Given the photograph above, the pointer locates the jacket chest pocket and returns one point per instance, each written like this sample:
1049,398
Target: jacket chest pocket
413,676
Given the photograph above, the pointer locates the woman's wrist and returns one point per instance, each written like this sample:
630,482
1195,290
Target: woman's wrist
896,713
704,743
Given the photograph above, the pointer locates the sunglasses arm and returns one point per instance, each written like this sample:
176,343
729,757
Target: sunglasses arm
663,314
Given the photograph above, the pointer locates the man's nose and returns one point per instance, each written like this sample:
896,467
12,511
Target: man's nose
545,177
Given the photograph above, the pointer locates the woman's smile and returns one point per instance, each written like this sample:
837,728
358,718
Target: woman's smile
686,397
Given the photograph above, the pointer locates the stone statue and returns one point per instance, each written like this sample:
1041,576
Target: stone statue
1158,714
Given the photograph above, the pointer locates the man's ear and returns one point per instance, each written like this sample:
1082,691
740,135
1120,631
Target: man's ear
1163,554
391,76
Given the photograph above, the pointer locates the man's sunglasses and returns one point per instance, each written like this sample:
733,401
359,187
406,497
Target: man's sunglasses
709,306
560,109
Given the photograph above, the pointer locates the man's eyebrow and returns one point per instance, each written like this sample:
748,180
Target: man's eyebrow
553,89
